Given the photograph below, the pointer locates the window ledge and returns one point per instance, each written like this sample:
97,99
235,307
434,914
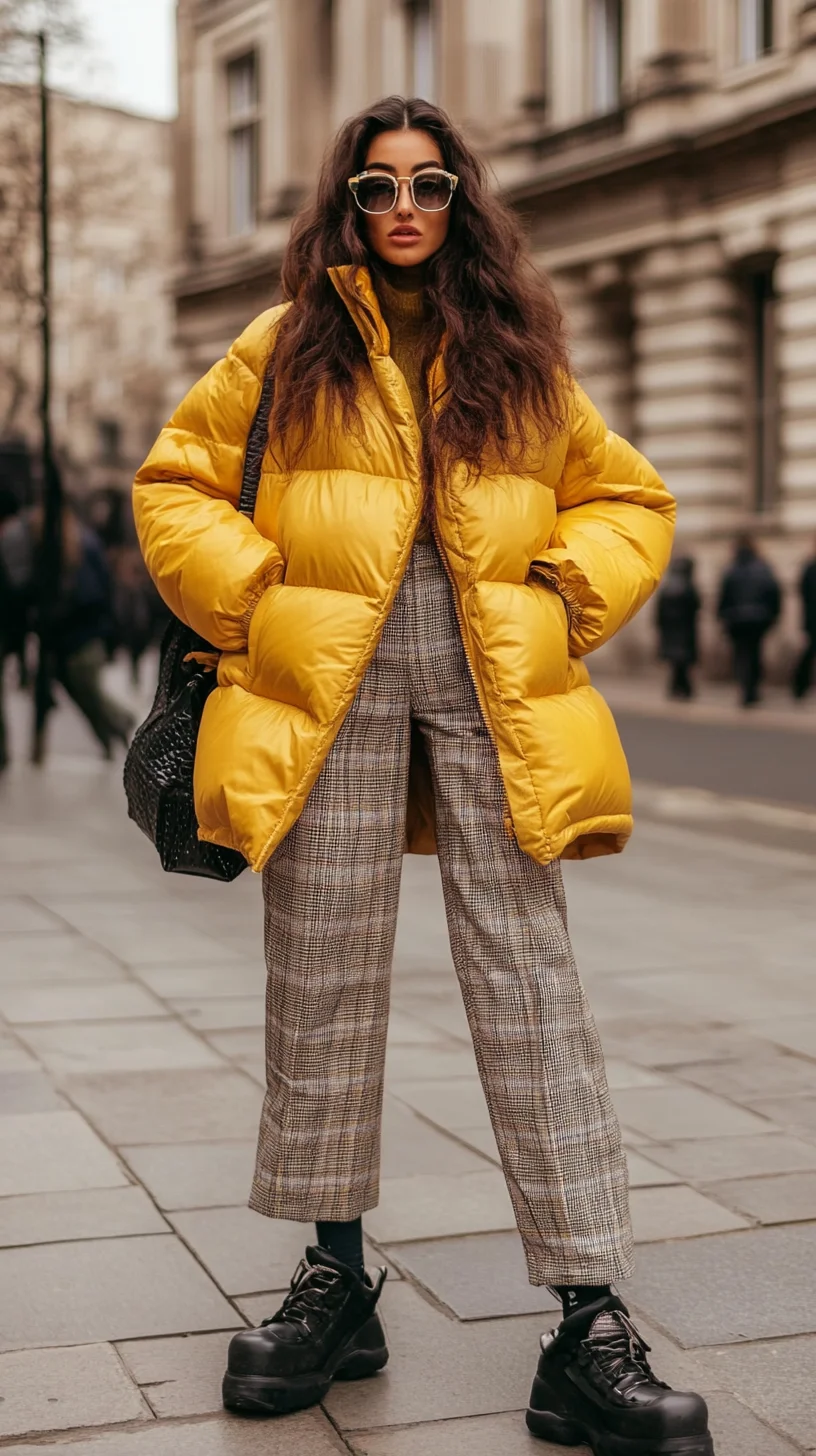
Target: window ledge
748,73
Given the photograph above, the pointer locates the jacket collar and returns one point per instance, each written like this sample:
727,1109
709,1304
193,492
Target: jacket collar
356,288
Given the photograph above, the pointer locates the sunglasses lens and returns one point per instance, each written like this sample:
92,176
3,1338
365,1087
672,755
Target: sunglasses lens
376,194
432,191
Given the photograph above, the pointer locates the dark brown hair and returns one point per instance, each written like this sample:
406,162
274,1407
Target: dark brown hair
506,357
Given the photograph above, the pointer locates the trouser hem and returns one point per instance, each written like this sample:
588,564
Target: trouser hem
296,1209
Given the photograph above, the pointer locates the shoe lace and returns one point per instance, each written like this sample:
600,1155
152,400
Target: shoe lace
620,1352
313,1287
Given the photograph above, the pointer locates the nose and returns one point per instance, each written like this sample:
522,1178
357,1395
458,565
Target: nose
405,204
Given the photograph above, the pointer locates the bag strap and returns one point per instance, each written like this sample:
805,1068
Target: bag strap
257,441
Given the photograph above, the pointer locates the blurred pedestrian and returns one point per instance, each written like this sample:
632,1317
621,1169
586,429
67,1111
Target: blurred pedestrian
16,577
444,525
803,676
749,605
81,627
678,607
135,606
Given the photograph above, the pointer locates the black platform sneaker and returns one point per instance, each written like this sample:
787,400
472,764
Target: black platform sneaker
326,1329
595,1387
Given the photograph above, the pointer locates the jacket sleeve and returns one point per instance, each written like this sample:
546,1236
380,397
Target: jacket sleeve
208,561
613,533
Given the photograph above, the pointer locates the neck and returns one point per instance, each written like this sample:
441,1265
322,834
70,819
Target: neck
405,280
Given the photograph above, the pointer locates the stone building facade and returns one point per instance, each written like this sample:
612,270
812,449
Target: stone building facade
663,156
113,248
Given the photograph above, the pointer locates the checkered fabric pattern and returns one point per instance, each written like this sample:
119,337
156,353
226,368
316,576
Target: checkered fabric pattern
331,892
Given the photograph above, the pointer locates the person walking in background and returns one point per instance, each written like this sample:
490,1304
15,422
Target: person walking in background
82,627
803,676
16,580
750,604
444,529
678,607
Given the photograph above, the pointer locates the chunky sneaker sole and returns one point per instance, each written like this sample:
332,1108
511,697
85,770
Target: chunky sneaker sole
280,1395
564,1432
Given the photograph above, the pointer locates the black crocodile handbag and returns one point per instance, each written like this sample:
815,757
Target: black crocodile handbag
160,761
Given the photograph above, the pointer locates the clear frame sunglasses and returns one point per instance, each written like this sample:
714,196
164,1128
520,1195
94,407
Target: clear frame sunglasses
378,192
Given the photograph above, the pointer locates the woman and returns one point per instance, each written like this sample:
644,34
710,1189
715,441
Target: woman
444,528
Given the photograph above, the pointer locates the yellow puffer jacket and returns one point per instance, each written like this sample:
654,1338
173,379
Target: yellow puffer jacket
545,563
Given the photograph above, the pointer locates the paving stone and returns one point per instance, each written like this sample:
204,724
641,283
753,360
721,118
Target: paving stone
726,995
118,1046
180,1375
683,1112
738,1432
410,1146
109,1289
423,1063
22,1092
643,1173
227,978
44,1218
241,1044
434,1205
443,1016
796,1113
245,1252
777,1380
439,1368
798,1033
483,1139
52,1152
43,1003
772,1073
169,1107
308,1434
481,1276
20,915
55,1390
789,1198
63,957
734,1157
195,1175
15,1059
452,1103
658,1041
678,1213
730,1287
404,1030
481,1436
221,1013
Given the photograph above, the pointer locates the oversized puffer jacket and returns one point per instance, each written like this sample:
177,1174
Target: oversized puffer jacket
545,563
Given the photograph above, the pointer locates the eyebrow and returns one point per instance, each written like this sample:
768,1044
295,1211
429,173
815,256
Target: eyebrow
386,167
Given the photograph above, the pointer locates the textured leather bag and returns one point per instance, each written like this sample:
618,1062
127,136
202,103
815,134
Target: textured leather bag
160,761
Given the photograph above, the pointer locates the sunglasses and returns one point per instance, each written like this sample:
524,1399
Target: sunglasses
378,192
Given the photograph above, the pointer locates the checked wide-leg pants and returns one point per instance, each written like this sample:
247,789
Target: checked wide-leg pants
331,891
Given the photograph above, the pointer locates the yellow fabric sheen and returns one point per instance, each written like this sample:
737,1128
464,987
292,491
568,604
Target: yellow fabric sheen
546,563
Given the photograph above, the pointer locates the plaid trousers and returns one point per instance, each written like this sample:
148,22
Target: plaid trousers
331,892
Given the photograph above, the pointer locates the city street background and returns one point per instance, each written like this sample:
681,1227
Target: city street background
131,1068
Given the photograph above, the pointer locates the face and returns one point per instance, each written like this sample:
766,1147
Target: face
407,236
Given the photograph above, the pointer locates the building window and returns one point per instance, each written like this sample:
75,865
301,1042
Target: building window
422,23
763,387
756,29
109,434
242,142
605,33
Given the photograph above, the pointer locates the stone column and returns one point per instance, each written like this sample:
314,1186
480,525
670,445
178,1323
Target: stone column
689,381
795,279
597,304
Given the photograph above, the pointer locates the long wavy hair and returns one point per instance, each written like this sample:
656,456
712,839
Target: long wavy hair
505,351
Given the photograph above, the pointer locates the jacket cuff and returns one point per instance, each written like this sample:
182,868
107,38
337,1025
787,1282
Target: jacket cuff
272,575
585,607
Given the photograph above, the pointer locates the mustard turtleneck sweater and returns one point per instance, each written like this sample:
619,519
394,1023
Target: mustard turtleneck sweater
403,308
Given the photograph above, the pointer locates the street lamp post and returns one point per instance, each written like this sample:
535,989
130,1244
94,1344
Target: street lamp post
51,545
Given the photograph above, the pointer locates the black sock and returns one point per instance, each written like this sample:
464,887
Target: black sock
345,1242
577,1296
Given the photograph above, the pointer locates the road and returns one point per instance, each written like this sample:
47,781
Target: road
131,1068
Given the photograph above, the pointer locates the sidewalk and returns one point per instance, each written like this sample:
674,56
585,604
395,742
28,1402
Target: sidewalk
131,1068
715,702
